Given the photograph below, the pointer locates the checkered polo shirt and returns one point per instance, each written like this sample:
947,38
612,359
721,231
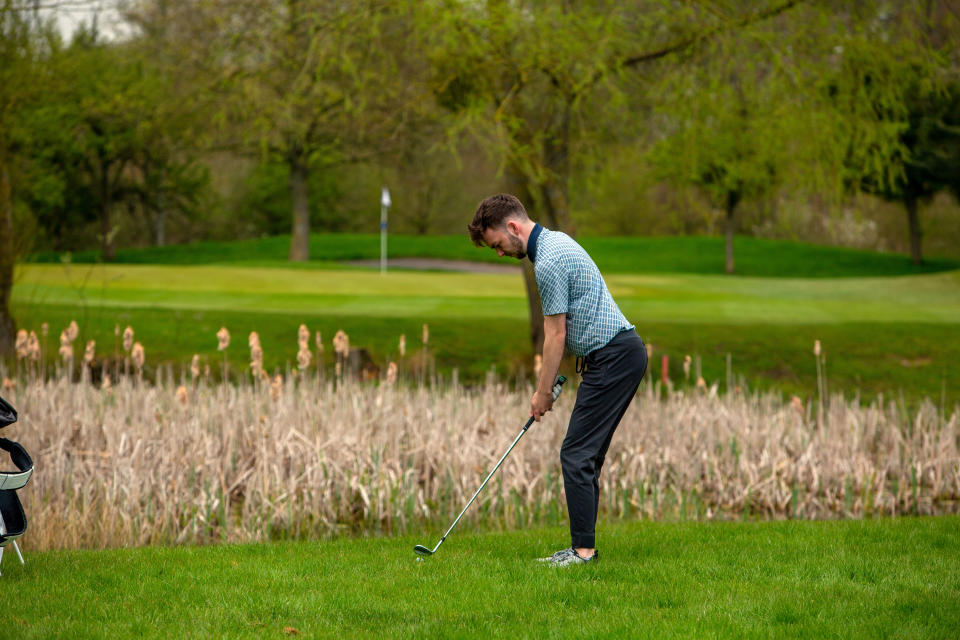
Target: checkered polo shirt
569,282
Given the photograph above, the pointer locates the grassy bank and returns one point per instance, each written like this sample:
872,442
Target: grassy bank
916,359
881,335
851,579
669,254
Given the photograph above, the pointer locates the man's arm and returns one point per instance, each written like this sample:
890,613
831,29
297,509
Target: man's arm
554,339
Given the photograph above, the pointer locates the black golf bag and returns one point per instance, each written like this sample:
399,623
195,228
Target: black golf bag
13,522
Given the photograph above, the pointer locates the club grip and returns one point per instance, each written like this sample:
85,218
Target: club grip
558,387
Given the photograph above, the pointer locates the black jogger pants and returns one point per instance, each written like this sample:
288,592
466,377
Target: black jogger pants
610,381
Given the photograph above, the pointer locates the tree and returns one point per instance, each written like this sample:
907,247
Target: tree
901,102
17,69
91,128
538,81
171,180
302,82
738,123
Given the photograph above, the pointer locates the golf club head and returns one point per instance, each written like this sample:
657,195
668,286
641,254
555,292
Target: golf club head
422,550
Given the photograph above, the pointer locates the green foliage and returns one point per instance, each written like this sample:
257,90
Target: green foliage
98,139
903,113
266,204
898,98
583,109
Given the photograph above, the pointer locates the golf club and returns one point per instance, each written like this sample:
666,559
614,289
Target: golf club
424,551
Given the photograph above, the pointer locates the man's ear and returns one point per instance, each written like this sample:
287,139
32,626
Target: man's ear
513,227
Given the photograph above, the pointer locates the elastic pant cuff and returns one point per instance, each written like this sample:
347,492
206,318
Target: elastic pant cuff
583,541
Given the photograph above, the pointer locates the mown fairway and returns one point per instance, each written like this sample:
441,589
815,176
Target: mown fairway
426,295
881,334
895,578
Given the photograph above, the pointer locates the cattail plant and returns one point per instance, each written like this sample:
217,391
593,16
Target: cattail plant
195,368
686,367
276,388
816,356
33,346
318,340
303,353
138,358
223,341
66,351
797,405
127,346
303,359
256,355
303,337
308,462
424,370
183,397
22,348
341,347
88,356
37,348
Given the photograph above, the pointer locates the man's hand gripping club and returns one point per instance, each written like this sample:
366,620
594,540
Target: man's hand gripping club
554,339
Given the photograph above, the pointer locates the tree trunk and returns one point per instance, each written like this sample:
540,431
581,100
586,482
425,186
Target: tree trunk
731,227
106,201
556,190
160,219
517,185
533,305
161,225
916,234
8,328
300,235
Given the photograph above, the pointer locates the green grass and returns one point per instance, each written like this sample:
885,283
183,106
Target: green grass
894,578
408,294
669,254
881,335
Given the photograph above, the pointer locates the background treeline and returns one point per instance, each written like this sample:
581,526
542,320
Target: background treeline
833,122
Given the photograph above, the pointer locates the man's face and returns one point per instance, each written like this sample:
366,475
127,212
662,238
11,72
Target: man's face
504,242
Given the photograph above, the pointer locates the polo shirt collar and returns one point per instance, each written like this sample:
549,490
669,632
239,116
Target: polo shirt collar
532,242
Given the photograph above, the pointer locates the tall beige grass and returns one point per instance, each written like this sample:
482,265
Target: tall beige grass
136,464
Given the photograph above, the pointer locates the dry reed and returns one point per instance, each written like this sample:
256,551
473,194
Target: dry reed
135,464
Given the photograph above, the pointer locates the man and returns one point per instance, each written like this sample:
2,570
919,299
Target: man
578,313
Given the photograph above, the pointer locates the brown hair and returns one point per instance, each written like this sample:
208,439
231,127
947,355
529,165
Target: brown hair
493,213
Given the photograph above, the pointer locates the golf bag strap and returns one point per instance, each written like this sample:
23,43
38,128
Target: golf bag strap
21,459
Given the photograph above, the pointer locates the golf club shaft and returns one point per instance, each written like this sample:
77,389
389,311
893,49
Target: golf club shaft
489,475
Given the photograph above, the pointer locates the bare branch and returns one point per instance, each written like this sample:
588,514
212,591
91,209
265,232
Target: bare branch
686,42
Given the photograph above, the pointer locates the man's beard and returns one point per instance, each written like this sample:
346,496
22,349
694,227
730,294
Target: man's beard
517,248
